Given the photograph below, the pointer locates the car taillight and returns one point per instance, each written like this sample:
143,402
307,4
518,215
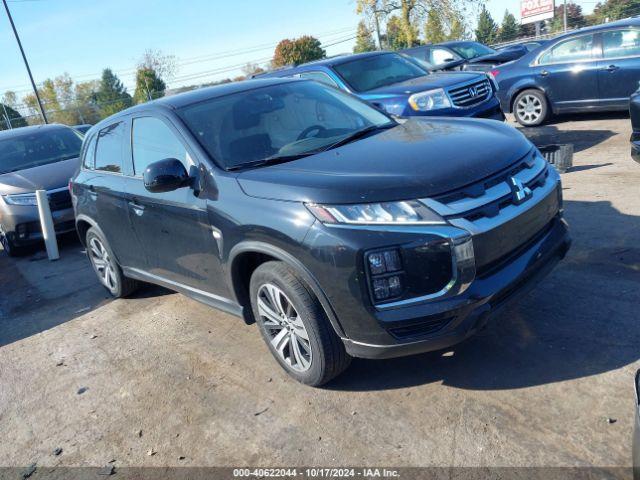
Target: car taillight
70,186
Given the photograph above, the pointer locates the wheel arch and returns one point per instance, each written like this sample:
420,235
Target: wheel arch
83,224
524,87
245,257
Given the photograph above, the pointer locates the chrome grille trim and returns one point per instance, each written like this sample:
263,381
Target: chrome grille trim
541,178
461,96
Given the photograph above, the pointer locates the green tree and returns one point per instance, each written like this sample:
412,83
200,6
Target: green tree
364,39
487,30
111,96
297,51
15,120
616,9
434,28
457,30
509,29
393,38
575,18
85,100
149,85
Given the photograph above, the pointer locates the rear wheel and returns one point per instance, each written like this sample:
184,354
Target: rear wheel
107,269
531,108
294,326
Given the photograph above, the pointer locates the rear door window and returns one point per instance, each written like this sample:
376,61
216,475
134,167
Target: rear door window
621,43
573,50
153,140
109,150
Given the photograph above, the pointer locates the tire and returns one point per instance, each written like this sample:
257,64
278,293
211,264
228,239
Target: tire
9,247
531,108
107,269
313,360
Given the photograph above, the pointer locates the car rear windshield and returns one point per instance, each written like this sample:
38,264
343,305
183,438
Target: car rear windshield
35,148
471,50
368,73
277,122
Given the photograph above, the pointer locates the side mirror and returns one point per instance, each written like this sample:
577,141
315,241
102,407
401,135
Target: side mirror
165,176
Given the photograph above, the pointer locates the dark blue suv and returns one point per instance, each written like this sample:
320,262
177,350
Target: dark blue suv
591,69
401,87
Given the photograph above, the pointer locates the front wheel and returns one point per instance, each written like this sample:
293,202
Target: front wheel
531,108
107,269
294,326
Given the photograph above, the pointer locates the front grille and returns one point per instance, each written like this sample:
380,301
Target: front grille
493,210
59,200
471,94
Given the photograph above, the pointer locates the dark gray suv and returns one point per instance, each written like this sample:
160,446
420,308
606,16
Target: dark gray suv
35,158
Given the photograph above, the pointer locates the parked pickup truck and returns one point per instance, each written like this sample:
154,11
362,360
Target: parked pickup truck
339,231
402,87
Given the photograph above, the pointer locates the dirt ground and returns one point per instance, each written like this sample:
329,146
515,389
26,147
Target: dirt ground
161,380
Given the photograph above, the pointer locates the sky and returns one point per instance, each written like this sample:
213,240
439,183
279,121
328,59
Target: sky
211,39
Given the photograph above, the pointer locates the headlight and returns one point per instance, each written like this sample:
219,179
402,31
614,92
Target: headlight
388,213
429,100
25,199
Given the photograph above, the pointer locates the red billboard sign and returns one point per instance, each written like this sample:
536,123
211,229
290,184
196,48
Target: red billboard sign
536,10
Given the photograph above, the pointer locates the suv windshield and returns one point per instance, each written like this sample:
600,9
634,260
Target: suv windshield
377,71
36,148
471,50
278,122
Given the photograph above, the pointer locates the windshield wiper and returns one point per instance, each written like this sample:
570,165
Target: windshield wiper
270,160
358,134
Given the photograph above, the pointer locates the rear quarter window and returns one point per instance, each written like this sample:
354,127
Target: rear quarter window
108,155
89,153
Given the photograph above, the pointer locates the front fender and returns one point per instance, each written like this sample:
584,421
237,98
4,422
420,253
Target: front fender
251,246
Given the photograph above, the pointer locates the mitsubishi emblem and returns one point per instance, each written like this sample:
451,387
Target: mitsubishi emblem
519,191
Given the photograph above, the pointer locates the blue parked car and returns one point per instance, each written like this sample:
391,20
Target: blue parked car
401,87
591,69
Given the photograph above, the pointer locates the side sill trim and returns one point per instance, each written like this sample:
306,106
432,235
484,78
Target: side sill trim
207,298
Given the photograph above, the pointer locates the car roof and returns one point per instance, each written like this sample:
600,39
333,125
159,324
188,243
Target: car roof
31,129
627,22
325,62
180,100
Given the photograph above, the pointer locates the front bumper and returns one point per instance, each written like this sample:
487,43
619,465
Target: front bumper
464,316
21,224
489,109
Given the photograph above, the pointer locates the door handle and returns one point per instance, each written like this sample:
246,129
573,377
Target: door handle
137,209
612,68
544,73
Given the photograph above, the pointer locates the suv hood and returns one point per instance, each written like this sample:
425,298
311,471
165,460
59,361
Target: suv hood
501,57
45,177
420,84
420,158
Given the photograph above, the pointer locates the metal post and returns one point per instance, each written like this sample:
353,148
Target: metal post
26,64
146,85
565,15
537,29
46,222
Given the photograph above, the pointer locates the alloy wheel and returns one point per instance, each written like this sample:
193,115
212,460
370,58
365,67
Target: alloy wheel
529,109
103,264
285,329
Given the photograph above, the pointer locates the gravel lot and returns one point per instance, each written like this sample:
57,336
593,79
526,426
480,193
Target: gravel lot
549,383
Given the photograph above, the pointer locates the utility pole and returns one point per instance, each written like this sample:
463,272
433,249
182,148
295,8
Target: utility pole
565,15
26,64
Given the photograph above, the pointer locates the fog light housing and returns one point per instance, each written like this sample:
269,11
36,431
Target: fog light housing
385,269
21,231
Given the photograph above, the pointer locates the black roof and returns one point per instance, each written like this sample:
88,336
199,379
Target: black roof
326,62
194,96
31,129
